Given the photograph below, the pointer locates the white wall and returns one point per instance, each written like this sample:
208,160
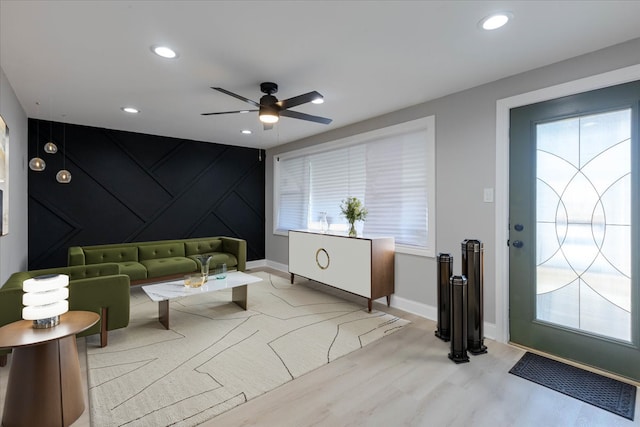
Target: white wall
13,246
466,164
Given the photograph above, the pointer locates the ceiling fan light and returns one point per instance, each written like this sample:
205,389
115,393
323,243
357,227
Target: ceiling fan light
268,115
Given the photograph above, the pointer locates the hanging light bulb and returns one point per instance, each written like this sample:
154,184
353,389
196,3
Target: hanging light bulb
63,176
37,164
50,148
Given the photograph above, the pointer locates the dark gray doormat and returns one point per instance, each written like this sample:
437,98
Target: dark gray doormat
597,390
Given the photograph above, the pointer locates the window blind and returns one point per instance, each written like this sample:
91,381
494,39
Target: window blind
391,174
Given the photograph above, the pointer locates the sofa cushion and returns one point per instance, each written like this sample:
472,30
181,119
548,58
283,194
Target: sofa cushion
203,246
134,270
220,258
101,255
169,266
156,251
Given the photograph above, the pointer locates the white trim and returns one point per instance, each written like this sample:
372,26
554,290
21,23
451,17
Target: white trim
430,312
413,307
278,266
256,264
611,78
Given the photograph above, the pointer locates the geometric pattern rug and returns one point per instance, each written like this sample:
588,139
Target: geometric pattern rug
604,392
217,356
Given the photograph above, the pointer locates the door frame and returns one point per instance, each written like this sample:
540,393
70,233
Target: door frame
503,107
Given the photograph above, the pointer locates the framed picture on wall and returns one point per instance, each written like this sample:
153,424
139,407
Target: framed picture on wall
4,176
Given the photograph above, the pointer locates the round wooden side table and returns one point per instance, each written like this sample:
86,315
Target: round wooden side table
45,386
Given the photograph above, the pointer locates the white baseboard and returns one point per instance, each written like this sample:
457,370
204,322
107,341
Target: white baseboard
278,266
256,264
419,309
413,307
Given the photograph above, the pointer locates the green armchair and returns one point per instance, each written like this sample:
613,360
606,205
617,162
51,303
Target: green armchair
99,288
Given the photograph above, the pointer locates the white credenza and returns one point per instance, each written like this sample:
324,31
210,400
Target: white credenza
362,266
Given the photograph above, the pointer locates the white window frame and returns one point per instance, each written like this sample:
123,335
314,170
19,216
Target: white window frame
424,124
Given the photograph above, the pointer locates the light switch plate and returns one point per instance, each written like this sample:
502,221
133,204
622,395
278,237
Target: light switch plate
488,195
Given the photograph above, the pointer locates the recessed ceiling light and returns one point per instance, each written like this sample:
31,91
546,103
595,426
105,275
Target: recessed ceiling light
244,111
131,110
495,21
318,100
246,131
164,51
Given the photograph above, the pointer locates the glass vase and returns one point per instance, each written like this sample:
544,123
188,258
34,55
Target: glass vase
324,224
204,266
352,230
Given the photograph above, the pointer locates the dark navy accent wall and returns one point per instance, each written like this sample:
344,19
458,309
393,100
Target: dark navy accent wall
129,187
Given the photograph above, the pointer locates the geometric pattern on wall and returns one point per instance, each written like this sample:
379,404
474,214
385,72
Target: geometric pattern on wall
131,187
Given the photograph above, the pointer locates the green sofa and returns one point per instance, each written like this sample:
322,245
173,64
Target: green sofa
144,262
99,288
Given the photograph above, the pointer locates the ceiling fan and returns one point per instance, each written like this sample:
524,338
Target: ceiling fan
270,109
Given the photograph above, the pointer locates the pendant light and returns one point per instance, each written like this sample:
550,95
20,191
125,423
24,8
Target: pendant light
63,176
50,147
37,164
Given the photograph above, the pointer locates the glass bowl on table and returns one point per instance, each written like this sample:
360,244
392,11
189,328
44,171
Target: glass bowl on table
193,280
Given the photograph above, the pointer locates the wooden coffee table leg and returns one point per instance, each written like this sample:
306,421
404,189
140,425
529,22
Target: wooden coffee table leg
239,296
163,313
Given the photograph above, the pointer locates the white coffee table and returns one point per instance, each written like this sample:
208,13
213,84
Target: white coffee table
163,292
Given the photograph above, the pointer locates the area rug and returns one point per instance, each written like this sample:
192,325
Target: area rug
217,356
605,393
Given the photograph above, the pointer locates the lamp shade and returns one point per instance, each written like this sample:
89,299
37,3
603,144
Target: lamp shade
45,299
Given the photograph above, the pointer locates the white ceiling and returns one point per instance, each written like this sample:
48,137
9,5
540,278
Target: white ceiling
82,61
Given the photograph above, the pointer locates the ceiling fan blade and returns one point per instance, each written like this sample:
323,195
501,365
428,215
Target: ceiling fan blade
235,95
227,112
298,100
303,116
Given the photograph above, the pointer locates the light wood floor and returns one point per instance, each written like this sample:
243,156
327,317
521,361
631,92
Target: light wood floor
406,379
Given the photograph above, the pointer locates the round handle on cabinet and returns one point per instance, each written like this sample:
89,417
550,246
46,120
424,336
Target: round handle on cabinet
327,261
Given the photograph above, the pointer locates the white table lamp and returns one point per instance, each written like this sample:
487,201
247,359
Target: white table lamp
45,299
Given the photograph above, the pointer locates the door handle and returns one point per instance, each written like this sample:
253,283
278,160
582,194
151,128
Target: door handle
517,244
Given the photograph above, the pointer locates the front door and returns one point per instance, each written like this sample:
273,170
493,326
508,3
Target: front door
574,228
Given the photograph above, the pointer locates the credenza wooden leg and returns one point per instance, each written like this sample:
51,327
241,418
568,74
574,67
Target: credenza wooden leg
370,303
388,300
292,278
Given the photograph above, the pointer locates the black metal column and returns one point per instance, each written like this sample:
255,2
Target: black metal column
473,270
458,298
445,271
